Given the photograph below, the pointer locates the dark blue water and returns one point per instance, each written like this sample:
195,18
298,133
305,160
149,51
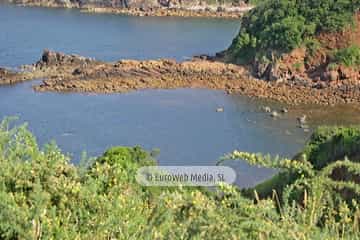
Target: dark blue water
25,32
182,123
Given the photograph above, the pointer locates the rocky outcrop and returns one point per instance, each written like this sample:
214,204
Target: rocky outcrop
185,8
320,81
6,76
51,63
315,67
73,73
50,58
86,75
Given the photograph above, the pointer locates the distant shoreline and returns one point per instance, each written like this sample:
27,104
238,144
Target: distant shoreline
206,11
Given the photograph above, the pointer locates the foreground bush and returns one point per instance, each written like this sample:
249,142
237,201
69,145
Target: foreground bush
43,196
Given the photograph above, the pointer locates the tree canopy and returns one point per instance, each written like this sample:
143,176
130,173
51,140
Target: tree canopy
279,26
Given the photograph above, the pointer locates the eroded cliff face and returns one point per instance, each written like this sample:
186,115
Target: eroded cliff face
206,5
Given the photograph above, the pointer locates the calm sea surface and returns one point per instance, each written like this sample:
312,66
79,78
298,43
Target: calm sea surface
182,123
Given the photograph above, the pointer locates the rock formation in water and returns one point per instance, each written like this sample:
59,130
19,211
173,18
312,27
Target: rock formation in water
73,73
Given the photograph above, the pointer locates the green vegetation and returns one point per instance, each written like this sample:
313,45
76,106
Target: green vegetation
312,45
254,2
279,26
325,147
330,144
44,196
349,56
298,65
333,66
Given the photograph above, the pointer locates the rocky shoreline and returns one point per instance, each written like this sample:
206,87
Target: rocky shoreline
73,73
147,8
172,12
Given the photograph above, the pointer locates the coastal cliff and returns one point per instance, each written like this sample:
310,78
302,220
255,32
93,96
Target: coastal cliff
307,44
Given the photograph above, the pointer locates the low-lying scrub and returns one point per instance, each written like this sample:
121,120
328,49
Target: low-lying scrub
44,196
349,56
327,152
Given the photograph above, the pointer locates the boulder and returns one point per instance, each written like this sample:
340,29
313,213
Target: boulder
261,69
266,109
49,57
320,85
3,71
274,72
77,71
220,109
330,75
300,81
284,110
302,119
220,9
267,71
334,75
274,114
64,3
347,73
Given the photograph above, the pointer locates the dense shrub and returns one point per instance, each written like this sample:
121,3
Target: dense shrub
254,2
278,26
349,56
329,144
320,157
44,196
327,171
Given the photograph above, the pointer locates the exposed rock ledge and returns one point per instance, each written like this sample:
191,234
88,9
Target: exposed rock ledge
72,73
187,8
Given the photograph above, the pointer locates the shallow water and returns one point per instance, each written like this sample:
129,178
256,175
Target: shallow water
182,123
